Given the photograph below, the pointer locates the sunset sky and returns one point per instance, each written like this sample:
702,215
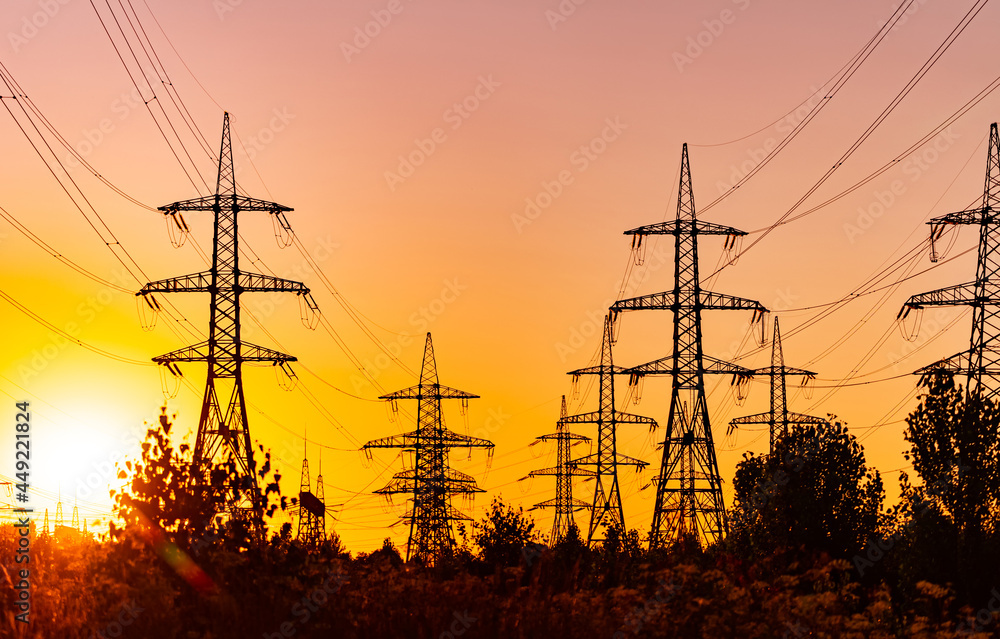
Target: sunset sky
468,168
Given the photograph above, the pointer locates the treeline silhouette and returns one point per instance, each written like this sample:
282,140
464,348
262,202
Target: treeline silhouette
813,551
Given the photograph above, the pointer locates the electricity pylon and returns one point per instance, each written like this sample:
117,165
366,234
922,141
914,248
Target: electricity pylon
606,509
431,482
312,511
981,363
564,503
778,419
223,429
689,487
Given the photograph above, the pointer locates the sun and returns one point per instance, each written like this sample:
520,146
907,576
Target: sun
77,462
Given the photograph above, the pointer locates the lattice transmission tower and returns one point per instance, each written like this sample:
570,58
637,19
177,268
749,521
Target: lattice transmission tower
778,419
312,509
689,500
606,509
431,483
981,363
223,428
563,503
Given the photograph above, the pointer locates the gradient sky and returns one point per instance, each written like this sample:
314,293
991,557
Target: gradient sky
326,115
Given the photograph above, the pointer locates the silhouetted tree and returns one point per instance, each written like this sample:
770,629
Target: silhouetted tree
813,493
947,524
504,534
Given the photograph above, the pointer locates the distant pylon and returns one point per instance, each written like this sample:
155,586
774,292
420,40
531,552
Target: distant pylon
223,428
320,496
606,509
564,503
689,487
431,482
981,363
45,529
312,510
59,513
778,418
75,522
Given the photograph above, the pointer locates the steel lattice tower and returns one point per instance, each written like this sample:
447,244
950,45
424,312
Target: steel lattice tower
431,482
606,509
689,487
981,363
564,503
778,419
223,429
312,511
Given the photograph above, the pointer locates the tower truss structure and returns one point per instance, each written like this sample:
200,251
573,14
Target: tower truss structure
563,503
223,427
778,419
431,483
689,501
606,508
981,362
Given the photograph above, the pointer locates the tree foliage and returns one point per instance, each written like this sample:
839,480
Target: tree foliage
814,493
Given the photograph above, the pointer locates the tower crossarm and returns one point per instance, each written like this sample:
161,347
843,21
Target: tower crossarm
194,283
554,437
800,418
596,417
958,363
721,301
705,300
665,366
759,418
200,353
575,504
958,295
413,440
202,283
619,460
208,203
683,226
970,216
256,282
429,391
597,370
554,471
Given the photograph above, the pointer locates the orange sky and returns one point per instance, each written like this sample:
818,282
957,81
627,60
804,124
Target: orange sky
494,102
